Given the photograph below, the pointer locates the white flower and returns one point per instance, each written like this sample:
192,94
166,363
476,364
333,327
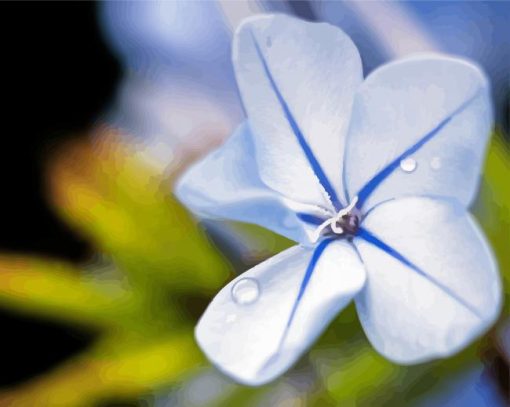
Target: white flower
372,179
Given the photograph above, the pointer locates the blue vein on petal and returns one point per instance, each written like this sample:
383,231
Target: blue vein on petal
312,219
370,238
306,279
319,172
371,185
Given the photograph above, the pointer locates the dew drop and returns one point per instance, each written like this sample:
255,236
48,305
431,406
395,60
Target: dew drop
231,318
269,42
435,163
408,164
245,291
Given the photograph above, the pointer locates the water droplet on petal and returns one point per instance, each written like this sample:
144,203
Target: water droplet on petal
231,318
435,163
245,291
269,42
408,164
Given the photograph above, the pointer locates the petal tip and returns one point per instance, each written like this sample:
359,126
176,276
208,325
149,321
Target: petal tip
239,375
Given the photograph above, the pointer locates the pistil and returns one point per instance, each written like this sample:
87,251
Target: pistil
345,222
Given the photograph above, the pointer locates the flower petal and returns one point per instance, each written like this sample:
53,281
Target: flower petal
432,110
297,80
432,283
226,185
257,341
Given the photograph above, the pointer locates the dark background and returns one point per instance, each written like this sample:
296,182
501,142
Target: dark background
57,76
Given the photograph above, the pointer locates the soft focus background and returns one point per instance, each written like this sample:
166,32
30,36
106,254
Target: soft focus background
103,275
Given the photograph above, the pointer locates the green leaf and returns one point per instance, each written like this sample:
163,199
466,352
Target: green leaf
127,210
58,290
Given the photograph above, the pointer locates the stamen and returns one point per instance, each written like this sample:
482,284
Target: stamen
334,221
317,233
336,228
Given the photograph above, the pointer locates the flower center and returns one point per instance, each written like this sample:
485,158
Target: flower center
344,223
347,225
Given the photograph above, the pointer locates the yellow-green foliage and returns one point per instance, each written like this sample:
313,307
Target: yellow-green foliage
153,265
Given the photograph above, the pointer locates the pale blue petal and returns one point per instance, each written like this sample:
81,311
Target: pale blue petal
226,185
432,281
256,342
297,80
432,109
